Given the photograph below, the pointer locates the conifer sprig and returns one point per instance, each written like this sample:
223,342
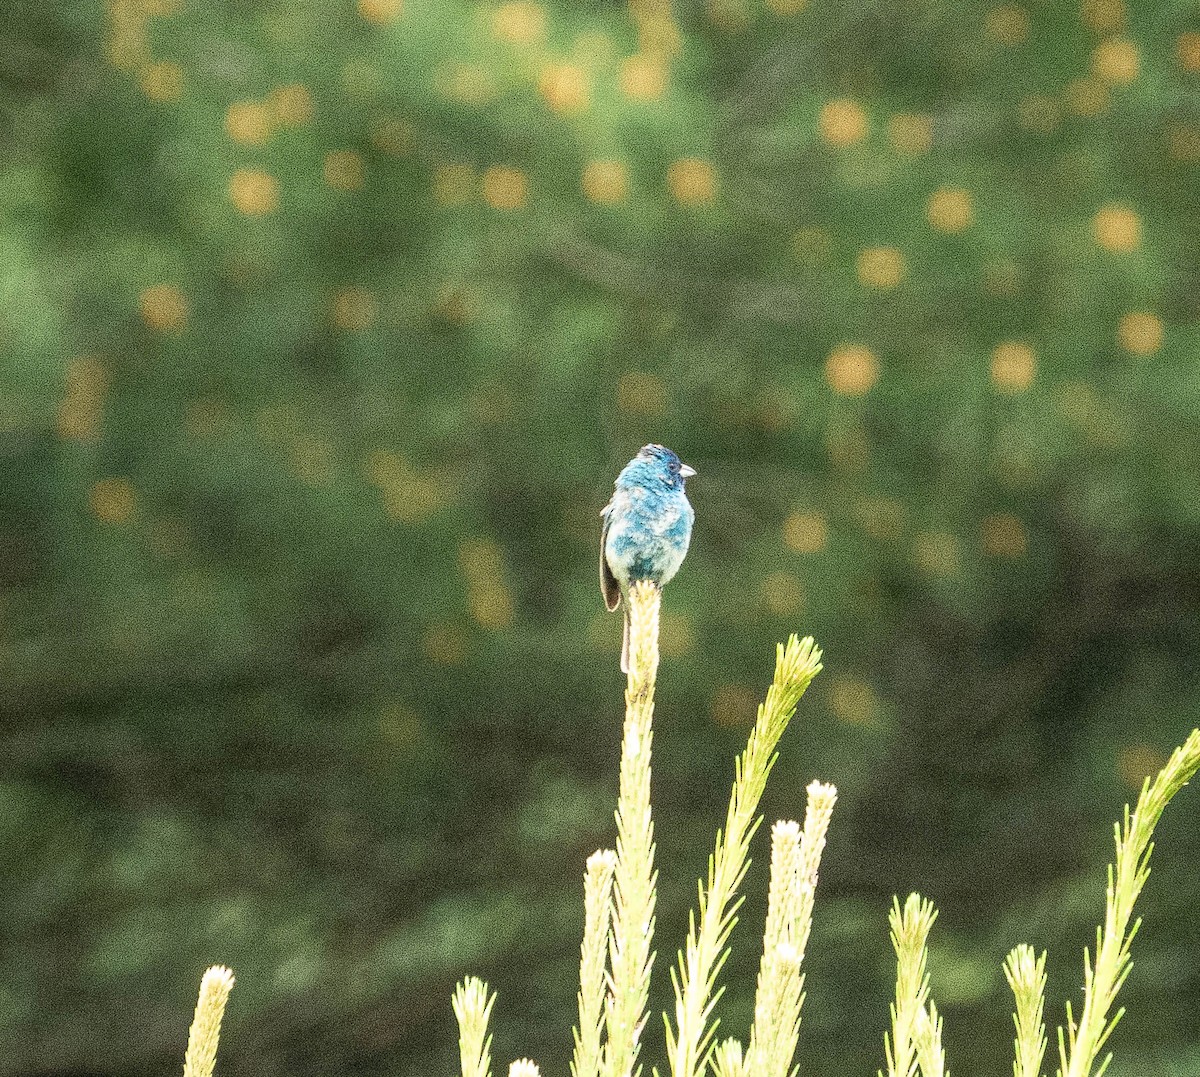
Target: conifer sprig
1026,975
728,1060
927,1042
472,1004
634,878
916,1031
597,912
1080,1043
689,1043
795,860
205,1032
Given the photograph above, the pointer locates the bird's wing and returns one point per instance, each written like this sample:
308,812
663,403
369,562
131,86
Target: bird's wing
608,582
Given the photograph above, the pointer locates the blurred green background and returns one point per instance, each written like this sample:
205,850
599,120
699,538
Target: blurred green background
324,329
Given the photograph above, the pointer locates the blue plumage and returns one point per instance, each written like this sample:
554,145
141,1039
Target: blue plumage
647,528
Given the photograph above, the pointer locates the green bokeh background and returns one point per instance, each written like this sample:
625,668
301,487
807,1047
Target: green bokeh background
323,331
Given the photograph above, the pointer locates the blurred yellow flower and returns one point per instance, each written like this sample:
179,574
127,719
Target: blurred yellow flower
805,532
468,83
842,122
127,45
640,393
783,593
380,11
677,636
605,182
1137,762
353,308
505,187
564,87
162,81
936,553
1187,50
911,133
248,123
658,32
453,184
82,408
408,495
1007,24
164,308
254,192
491,604
290,105
344,170
1087,96
851,369
1116,61
1102,16
644,76
1003,535
1013,367
649,9
480,559
384,467
729,15
880,267
1117,228
692,181
853,700
112,501
1140,333
950,209
519,23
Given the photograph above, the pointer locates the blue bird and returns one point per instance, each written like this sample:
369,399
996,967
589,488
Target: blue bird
647,528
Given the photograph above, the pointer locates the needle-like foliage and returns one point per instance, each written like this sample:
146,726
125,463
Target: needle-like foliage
689,1043
619,901
916,1031
795,860
728,1059
1080,1042
203,1036
634,877
597,912
472,1004
1026,975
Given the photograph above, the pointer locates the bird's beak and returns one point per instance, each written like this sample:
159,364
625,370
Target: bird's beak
686,471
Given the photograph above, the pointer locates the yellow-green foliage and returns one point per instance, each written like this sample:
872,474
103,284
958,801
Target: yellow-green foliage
914,1044
616,956
205,1032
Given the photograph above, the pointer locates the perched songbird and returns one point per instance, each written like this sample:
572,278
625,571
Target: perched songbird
647,528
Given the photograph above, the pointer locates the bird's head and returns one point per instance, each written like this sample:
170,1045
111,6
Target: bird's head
658,463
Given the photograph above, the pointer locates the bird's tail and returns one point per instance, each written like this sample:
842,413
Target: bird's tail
625,663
